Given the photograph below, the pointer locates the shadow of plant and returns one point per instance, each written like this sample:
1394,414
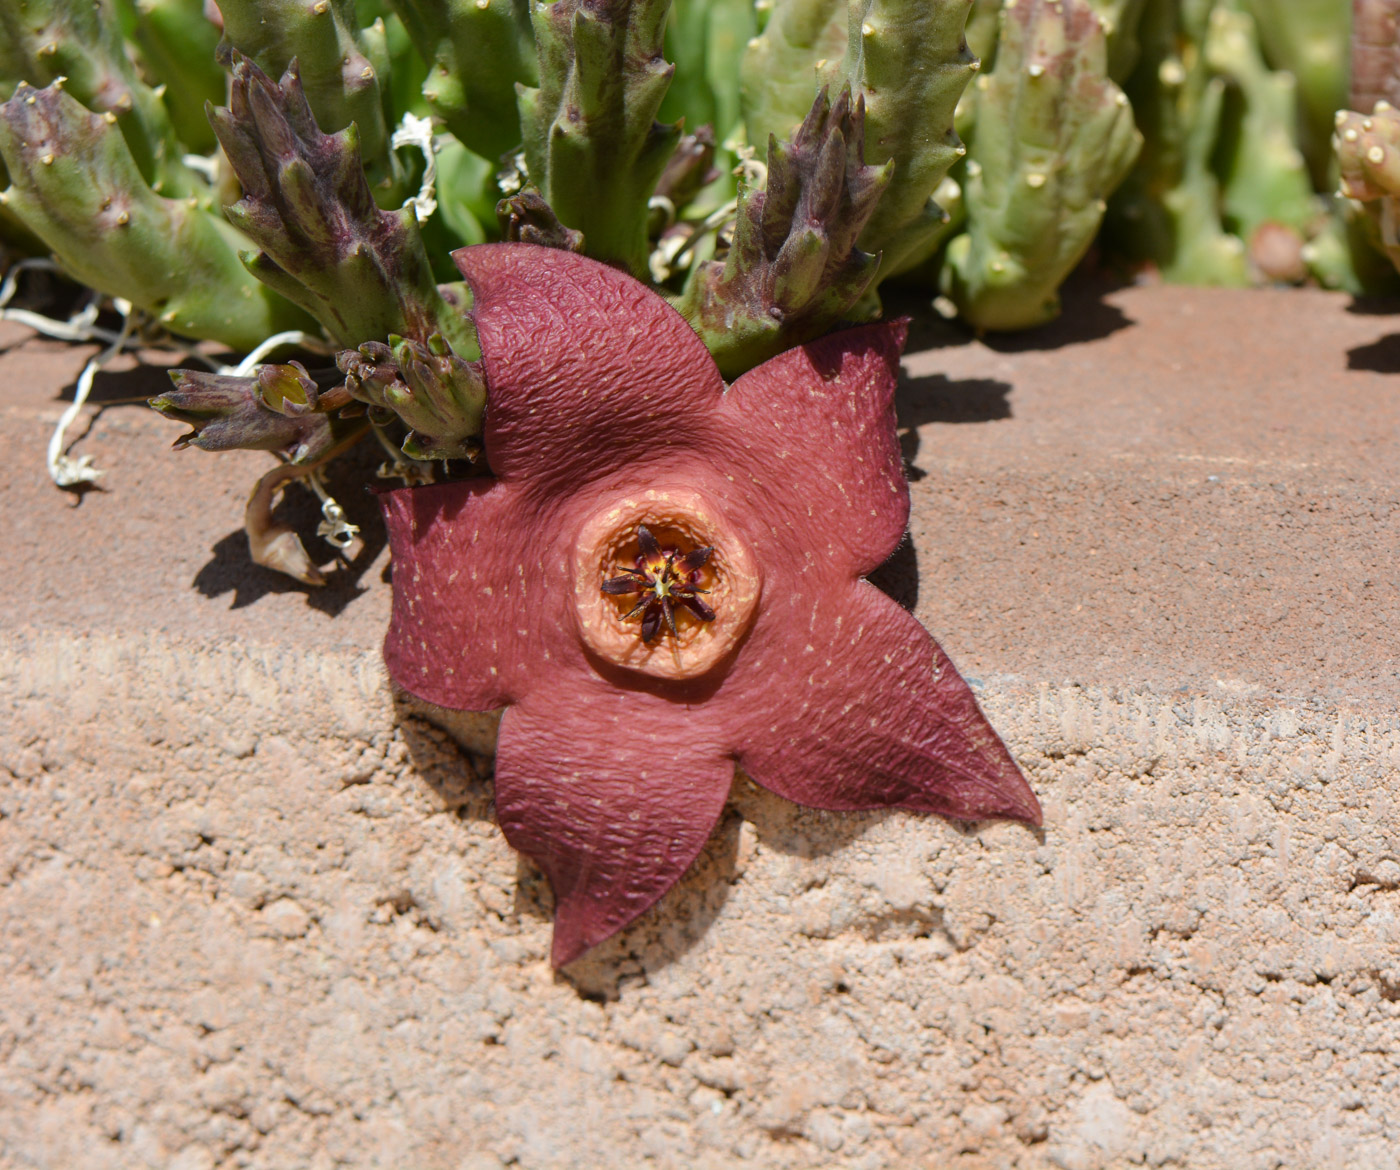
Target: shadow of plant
1085,315
1379,357
1368,305
934,398
898,577
129,387
231,568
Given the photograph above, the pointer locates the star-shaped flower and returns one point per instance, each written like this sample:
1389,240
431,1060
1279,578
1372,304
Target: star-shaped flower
616,446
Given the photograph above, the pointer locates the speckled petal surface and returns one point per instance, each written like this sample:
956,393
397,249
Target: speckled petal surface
476,582
868,713
612,793
814,449
585,367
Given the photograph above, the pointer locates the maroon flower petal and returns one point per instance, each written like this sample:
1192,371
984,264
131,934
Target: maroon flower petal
819,446
472,614
869,714
613,794
586,368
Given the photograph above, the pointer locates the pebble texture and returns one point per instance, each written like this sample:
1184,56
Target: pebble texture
255,912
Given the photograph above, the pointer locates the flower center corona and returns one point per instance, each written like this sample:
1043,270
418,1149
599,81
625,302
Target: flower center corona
667,579
663,584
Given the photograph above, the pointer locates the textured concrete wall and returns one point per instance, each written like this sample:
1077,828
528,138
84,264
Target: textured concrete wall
254,913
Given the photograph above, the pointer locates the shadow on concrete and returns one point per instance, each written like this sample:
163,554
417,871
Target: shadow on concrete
125,387
1379,357
1374,306
1085,316
452,753
898,577
231,569
667,931
927,329
680,919
934,398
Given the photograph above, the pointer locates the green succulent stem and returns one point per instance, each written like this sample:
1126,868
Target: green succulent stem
178,43
800,49
1267,193
1052,137
909,61
593,146
81,42
75,184
478,52
706,39
1168,210
1308,40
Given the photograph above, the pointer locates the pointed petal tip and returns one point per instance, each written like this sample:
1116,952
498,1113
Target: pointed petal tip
899,331
1026,810
1008,797
568,944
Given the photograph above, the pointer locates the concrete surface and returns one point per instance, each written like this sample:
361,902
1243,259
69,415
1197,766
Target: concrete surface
252,914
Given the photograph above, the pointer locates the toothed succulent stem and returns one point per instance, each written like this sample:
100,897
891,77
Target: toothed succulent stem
981,30
178,44
1268,197
1053,137
793,269
909,62
80,42
1168,209
799,51
593,146
75,185
478,51
1308,39
362,271
1119,19
706,39
338,63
